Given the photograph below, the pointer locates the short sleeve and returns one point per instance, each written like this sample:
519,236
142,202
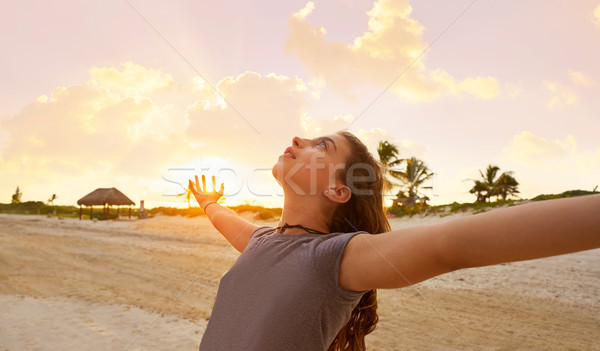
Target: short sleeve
328,255
261,231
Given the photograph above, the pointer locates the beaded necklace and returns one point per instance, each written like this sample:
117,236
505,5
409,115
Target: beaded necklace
286,226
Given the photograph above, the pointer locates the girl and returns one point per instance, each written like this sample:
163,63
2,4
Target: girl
310,283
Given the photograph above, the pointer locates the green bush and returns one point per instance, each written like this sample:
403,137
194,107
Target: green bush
568,193
400,211
38,207
100,216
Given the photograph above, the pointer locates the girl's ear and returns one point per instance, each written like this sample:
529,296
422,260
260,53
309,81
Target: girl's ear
340,193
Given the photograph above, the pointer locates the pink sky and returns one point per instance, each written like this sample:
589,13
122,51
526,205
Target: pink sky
91,96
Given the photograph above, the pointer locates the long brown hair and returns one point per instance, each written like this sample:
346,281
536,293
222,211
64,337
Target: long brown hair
364,211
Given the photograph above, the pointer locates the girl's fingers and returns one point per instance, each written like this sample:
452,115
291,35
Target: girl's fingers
203,189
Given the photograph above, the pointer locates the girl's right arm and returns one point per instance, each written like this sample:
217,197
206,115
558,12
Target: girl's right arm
234,228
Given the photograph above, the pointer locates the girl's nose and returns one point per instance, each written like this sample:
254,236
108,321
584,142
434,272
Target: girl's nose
298,142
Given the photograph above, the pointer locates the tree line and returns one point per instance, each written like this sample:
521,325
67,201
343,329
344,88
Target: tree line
410,175
16,197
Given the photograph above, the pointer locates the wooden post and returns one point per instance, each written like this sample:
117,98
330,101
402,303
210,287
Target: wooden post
118,208
104,213
129,211
91,212
79,212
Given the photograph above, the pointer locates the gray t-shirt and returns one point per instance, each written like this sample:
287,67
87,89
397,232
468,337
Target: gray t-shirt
282,293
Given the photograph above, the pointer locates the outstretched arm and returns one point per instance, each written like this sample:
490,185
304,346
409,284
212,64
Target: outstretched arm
234,228
410,255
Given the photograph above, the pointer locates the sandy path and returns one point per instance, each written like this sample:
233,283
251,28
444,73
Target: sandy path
70,284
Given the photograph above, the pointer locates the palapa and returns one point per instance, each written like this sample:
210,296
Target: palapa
104,197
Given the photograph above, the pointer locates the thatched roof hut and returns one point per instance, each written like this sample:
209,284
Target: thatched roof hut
105,197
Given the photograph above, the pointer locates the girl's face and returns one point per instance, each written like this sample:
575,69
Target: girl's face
309,166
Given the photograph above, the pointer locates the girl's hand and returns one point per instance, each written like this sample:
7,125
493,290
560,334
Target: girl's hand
202,195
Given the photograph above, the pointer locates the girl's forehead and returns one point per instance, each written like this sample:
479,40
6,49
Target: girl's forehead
342,145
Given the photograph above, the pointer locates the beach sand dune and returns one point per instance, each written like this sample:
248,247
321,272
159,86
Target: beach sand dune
150,284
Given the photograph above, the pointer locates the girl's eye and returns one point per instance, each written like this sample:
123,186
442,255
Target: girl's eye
324,143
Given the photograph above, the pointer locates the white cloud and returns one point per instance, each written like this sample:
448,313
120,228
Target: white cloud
580,79
81,127
567,93
131,79
88,135
561,94
406,148
264,114
325,126
528,148
389,49
101,134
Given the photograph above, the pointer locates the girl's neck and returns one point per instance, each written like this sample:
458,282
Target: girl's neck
305,213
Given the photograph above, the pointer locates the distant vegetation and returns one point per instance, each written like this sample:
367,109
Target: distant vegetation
478,207
39,207
266,213
569,193
406,177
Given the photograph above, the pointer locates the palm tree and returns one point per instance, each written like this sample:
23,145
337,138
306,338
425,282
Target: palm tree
489,180
506,185
16,198
480,189
51,199
188,193
413,178
388,156
490,186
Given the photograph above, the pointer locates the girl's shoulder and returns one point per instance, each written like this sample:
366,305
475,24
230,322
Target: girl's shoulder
262,231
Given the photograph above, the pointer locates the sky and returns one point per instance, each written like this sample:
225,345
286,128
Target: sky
142,95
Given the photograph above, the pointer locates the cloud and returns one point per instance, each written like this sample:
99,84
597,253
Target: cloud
325,126
105,132
261,117
580,79
406,148
528,148
391,48
566,93
131,79
561,94
84,126
96,127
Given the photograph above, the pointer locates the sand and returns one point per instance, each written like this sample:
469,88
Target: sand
147,284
